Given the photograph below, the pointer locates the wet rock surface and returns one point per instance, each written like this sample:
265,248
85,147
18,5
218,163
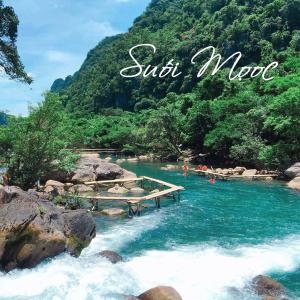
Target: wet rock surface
32,229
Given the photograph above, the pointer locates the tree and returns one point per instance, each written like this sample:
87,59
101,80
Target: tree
30,145
9,58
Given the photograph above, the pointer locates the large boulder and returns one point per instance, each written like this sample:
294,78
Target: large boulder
91,168
32,229
160,293
82,175
293,171
108,170
112,256
295,183
266,286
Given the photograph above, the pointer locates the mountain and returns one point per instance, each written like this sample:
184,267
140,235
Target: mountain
263,30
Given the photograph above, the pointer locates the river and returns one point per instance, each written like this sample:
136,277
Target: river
208,246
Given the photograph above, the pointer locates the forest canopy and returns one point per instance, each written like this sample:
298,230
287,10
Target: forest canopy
252,122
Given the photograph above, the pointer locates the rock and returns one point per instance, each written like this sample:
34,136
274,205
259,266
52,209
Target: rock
269,178
54,184
164,169
137,190
49,190
144,157
83,175
293,171
131,298
250,172
90,168
120,161
4,196
112,256
219,170
80,188
270,298
118,190
113,212
295,183
172,167
14,192
108,171
160,293
135,159
128,175
32,229
155,191
108,159
239,170
266,286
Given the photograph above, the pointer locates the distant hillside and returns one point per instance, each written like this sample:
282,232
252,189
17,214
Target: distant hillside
261,29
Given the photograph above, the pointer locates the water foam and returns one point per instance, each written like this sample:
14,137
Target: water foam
202,272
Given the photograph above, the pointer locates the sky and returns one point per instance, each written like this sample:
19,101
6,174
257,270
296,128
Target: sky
54,38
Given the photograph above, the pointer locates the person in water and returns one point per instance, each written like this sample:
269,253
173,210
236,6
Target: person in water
185,168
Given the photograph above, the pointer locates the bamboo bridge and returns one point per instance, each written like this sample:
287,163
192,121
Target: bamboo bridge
135,203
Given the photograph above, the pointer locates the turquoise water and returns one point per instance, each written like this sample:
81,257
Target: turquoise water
208,246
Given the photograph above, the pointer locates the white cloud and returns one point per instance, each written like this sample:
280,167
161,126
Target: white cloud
98,29
59,56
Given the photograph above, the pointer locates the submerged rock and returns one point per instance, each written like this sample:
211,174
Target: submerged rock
113,212
293,171
118,190
266,286
160,293
131,298
295,183
112,256
32,229
137,190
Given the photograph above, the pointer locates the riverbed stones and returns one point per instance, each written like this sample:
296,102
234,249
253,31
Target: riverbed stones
112,256
112,212
295,183
293,171
32,229
117,189
250,172
266,286
160,293
54,183
239,170
137,190
80,188
135,159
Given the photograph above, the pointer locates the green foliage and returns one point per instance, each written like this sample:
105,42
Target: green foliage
253,122
262,30
9,58
30,145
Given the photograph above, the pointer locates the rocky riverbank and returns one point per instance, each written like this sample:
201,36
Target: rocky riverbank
33,229
293,173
